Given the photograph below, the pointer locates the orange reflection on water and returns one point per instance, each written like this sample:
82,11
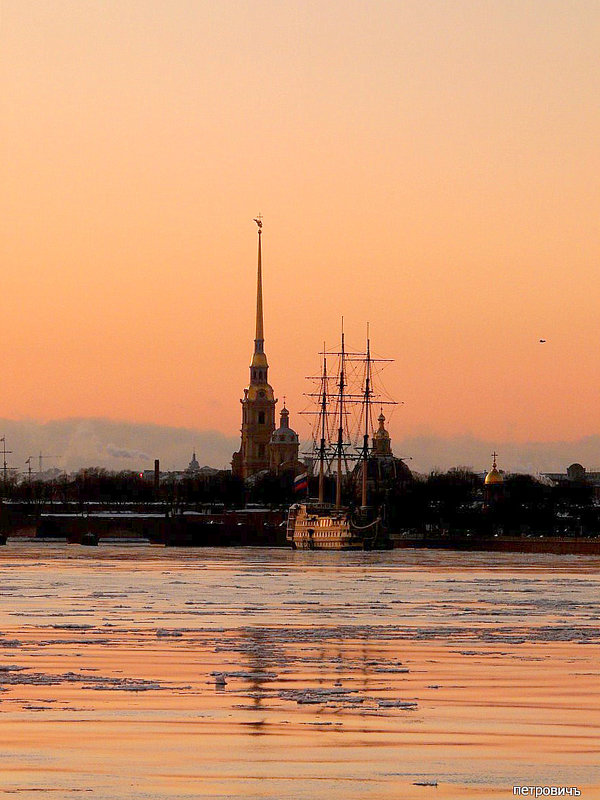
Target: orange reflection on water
346,675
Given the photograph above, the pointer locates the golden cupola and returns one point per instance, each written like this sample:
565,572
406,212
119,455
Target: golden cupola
494,476
382,444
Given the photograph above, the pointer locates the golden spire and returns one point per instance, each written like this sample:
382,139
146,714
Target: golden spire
259,338
259,359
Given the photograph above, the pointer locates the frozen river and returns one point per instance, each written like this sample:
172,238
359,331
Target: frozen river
347,676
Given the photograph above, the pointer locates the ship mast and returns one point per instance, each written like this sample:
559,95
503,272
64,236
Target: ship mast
323,429
367,400
331,442
340,439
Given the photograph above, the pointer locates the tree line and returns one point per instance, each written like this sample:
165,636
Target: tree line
451,501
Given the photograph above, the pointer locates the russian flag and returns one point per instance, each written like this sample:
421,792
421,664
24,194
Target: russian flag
301,482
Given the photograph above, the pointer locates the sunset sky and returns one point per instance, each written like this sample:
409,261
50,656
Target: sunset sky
430,167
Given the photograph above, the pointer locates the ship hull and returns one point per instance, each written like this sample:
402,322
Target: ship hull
317,527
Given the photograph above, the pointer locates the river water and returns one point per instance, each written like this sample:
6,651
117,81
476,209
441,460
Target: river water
145,672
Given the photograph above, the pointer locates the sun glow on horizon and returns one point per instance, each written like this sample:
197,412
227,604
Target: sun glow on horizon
430,168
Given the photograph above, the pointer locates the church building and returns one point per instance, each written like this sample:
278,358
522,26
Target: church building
493,485
263,447
384,470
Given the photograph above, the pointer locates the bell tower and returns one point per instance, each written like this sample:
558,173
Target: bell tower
258,402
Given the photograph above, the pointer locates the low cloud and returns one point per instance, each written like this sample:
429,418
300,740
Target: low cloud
74,443
431,452
119,452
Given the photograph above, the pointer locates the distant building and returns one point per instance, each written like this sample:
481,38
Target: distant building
384,470
493,485
283,447
575,474
259,451
193,468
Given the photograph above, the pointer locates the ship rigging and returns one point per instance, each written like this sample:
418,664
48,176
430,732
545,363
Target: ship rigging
341,436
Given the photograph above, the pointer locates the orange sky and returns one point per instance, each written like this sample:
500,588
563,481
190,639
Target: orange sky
432,167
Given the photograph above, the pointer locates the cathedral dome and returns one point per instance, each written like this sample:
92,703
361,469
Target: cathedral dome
384,470
493,475
193,467
383,473
284,434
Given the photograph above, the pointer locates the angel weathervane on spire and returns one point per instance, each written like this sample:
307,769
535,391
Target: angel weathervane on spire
258,219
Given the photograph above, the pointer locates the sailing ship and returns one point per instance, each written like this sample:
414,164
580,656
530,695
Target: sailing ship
315,524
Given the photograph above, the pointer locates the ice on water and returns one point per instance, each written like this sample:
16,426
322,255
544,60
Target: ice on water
154,673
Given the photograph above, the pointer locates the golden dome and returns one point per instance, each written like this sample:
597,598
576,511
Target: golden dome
493,476
381,432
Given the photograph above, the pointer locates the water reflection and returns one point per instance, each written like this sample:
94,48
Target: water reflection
349,676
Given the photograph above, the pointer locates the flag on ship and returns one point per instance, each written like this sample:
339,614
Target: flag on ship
301,482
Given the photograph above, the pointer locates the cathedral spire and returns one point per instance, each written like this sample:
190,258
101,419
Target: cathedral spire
259,365
259,337
258,403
